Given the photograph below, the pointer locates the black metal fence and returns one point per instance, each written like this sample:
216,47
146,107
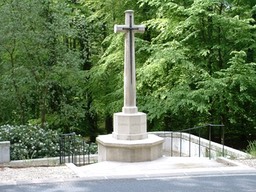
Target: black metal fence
74,149
211,132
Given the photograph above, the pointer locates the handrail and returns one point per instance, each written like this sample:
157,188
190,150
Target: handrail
188,130
202,126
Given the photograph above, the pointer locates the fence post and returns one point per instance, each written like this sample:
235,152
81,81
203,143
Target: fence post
223,140
199,144
89,152
171,144
60,148
180,144
210,138
189,144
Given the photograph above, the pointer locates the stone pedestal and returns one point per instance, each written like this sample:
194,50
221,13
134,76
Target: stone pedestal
129,141
4,151
111,149
130,126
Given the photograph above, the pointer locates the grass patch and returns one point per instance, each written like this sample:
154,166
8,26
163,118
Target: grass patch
251,148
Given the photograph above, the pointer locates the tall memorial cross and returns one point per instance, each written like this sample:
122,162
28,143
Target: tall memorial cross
129,61
129,141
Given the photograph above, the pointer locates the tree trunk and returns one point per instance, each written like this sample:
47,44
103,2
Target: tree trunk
109,124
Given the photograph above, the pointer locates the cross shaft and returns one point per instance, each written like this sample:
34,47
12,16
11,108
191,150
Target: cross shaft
129,60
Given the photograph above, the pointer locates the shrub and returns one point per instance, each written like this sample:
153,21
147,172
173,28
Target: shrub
29,142
251,148
93,148
77,145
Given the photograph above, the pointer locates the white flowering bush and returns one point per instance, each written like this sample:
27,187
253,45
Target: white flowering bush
77,145
93,148
29,142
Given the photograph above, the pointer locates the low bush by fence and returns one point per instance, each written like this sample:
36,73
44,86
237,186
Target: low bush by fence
32,142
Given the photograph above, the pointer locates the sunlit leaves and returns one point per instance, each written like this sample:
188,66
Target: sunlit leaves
196,67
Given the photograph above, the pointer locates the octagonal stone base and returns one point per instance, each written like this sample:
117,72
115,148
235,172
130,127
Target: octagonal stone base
112,149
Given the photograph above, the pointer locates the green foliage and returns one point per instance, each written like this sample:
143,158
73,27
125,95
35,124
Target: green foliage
44,54
61,64
251,148
77,145
200,68
29,142
107,78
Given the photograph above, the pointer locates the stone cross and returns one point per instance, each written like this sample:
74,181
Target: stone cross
129,61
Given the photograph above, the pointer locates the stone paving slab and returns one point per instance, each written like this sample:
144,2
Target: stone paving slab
162,167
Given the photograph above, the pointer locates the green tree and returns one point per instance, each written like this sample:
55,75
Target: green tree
62,64
42,80
106,81
193,43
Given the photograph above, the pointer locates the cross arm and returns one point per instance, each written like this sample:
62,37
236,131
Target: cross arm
125,28
120,28
139,28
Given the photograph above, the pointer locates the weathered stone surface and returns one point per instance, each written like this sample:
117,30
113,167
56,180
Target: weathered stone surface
130,126
129,60
129,141
4,151
112,149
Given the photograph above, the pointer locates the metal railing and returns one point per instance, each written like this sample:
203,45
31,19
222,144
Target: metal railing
74,149
206,130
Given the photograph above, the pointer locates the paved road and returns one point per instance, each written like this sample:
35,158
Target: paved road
236,182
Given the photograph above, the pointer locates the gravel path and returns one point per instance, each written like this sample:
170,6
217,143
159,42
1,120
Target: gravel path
58,172
35,173
248,162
